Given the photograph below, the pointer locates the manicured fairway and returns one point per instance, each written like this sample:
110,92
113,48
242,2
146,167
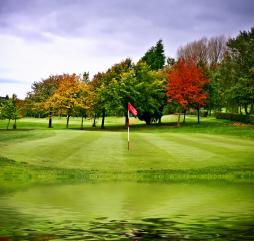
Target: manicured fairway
107,150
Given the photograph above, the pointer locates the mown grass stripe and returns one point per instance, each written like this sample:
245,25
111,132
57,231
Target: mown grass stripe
145,154
179,150
199,143
105,152
229,154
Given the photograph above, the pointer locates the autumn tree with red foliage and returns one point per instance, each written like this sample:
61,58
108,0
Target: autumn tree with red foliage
186,84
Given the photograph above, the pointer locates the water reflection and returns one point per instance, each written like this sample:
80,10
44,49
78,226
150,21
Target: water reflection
128,211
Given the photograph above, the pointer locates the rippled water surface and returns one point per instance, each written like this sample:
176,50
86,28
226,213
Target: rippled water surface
128,211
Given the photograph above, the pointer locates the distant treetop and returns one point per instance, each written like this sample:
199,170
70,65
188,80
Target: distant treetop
155,57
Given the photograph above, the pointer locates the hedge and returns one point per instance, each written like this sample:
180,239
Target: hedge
235,117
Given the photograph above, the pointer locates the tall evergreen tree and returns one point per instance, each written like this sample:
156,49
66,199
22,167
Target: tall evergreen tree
155,56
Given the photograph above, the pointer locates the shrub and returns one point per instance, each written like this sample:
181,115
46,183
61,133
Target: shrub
235,117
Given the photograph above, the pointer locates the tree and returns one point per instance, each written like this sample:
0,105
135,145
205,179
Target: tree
35,102
151,93
241,57
186,85
215,93
204,52
126,82
106,88
95,97
85,77
170,61
208,54
64,98
142,87
9,110
216,49
84,102
195,51
155,57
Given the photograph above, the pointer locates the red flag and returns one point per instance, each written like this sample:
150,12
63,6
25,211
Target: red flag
132,109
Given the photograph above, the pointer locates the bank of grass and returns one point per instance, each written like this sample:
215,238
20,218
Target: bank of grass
15,175
215,150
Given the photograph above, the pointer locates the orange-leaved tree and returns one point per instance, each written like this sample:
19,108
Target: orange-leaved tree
66,96
186,84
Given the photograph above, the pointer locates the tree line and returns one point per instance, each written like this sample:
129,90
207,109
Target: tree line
208,74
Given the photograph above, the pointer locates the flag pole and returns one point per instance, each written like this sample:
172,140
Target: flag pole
128,130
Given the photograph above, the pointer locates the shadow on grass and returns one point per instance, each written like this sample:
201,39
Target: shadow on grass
153,126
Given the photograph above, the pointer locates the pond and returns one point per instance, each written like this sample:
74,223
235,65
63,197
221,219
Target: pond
128,211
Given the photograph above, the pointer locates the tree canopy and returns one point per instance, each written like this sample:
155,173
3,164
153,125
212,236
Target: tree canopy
186,85
152,86
155,56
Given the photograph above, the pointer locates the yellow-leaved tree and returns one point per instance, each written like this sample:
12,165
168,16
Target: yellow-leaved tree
65,97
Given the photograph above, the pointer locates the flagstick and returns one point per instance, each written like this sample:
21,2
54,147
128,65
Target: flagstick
128,130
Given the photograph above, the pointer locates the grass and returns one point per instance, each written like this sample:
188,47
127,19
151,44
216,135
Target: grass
213,150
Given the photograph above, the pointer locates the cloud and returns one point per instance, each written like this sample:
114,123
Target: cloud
43,37
9,81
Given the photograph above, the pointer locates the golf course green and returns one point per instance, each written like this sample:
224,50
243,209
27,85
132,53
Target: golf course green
214,149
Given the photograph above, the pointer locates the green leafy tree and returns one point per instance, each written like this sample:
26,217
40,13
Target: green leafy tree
9,111
151,97
142,87
155,56
214,101
106,88
84,101
241,57
95,96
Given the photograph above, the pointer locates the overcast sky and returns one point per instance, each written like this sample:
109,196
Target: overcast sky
43,37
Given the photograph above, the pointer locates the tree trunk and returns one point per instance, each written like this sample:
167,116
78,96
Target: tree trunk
9,120
94,120
198,115
103,119
159,121
246,109
178,119
67,122
184,114
148,120
15,124
82,121
252,108
50,120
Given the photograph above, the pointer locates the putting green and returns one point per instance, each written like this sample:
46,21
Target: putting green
107,150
